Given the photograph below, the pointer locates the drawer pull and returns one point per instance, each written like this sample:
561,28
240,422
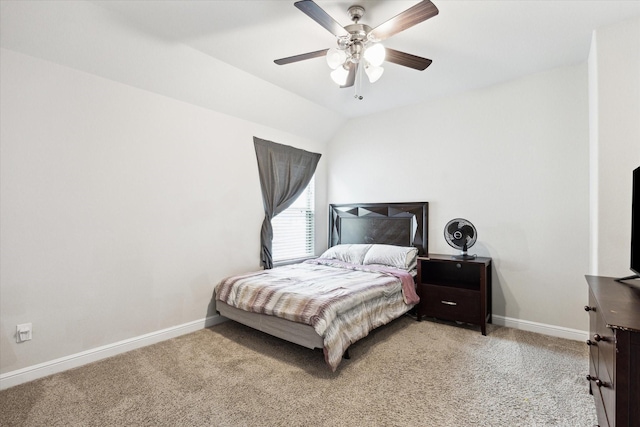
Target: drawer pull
589,342
598,381
598,338
449,302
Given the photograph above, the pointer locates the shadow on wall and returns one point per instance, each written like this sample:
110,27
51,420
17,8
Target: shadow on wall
211,308
500,293
9,356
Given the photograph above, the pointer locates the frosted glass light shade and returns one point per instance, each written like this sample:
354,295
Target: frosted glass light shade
339,75
375,54
336,57
373,72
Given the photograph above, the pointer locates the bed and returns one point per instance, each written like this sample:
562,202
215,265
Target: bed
364,280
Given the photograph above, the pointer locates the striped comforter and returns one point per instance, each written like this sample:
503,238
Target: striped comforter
341,301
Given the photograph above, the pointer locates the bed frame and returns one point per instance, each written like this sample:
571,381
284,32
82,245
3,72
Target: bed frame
400,224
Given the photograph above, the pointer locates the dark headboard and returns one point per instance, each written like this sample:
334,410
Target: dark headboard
400,224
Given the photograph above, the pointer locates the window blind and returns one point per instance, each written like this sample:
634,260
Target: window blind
294,228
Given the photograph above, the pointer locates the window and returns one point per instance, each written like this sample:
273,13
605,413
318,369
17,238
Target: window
294,228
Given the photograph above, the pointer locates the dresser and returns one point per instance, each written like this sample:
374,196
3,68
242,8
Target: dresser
614,349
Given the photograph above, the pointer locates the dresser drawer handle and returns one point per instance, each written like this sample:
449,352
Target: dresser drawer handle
449,302
598,381
598,338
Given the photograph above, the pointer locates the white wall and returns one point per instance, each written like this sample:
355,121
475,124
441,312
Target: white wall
614,80
84,36
512,159
121,209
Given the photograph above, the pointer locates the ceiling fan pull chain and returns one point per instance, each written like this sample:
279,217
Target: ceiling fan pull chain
358,84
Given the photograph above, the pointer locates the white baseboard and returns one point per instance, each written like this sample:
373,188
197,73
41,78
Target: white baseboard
541,328
41,370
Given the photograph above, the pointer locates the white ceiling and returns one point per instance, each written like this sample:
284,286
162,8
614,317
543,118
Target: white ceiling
473,43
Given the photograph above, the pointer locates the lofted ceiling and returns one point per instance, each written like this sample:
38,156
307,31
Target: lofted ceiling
473,44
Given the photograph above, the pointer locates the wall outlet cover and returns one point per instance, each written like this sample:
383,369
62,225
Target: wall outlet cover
23,332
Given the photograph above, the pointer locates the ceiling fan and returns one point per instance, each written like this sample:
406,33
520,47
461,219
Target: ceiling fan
359,45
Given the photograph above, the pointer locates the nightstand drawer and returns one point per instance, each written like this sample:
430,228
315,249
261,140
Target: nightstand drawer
451,303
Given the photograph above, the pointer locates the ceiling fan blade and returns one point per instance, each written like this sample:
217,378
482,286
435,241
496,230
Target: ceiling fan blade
406,59
302,57
407,19
316,13
351,78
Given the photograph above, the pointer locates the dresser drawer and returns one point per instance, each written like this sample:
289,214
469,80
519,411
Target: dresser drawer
594,320
603,421
593,357
597,393
451,303
606,372
606,341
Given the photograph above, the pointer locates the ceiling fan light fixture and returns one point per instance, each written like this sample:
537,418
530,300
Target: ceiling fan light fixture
336,57
375,54
373,72
339,75
359,45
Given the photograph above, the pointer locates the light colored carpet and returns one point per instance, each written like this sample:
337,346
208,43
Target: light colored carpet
406,373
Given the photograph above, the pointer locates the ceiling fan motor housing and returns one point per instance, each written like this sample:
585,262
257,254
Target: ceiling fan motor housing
355,12
357,31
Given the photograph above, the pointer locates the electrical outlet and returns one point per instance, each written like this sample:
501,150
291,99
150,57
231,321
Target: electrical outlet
23,332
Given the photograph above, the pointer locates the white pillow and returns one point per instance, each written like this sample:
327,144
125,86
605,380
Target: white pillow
351,253
402,257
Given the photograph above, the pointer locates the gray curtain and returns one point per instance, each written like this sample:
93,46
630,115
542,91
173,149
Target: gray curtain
284,174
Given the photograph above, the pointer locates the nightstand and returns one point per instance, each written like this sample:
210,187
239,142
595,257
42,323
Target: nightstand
455,289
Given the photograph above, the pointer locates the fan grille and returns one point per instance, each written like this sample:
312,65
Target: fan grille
460,234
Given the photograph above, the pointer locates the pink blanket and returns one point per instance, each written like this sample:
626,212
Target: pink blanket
408,285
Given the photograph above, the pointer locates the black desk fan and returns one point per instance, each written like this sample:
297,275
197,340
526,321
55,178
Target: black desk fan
460,234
